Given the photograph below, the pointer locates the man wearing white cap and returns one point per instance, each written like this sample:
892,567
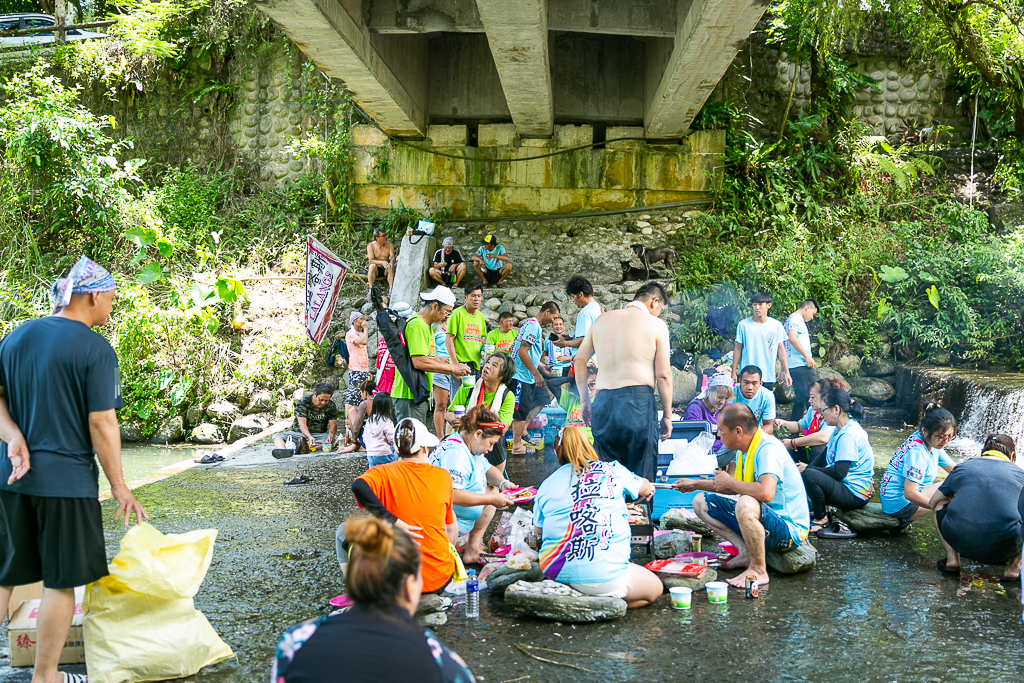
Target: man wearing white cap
59,390
358,365
419,338
449,267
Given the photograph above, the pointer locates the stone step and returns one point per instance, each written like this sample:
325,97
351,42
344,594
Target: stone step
869,519
552,600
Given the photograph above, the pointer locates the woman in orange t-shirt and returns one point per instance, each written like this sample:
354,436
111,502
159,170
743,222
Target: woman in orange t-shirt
416,497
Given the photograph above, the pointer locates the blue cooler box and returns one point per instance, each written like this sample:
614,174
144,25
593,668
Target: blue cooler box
667,499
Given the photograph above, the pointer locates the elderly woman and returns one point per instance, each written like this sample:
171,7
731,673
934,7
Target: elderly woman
385,582
490,390
710,401
581,516
976,511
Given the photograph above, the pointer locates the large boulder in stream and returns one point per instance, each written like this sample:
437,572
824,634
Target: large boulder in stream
222,411
246,426
505,576
671,544
694,584
259,402
552,600
131,432
207,433
871,390
847,364
800,559
684,387
169,431
677,519
869,518
879,368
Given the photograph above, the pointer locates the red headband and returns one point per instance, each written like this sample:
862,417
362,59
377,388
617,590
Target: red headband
493,425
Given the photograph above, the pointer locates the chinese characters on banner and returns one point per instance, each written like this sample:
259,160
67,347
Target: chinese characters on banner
325,274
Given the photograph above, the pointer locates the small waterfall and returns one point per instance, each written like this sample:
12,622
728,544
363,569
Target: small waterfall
992,407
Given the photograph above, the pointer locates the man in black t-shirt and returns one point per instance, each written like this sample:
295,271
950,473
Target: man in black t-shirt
449,268
59,390
316,421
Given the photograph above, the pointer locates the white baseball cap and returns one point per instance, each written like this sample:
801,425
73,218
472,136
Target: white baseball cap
440,294
423,438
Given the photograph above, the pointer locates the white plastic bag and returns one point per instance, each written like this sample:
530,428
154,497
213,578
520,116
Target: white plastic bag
522,525
692,457
426,226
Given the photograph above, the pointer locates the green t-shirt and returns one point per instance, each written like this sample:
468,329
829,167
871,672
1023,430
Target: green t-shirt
570,403
508,402
469,332
501,342
420,338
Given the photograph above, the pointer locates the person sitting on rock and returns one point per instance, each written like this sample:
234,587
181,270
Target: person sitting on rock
502,337
709,403
812,431
491,262
477,484
771,512
381,255
316,422
490,390
415,497
581,516
754,395
353,440
377,638
448,265
976,509
906,489
846,479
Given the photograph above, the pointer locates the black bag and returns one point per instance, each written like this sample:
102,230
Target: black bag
338,348
392,327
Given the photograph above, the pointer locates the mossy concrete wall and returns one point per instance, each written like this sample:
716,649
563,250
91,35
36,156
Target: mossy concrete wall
619,175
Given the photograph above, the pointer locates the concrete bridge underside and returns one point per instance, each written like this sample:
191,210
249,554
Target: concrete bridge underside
411,64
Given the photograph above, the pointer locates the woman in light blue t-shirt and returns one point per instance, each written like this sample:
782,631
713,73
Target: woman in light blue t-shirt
581,516
906,489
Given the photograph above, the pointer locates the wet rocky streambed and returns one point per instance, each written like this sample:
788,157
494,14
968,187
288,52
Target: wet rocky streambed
874,609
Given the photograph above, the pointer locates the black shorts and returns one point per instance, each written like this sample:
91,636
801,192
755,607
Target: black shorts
906,513
492,276
528,397
58,541
498,454
382,273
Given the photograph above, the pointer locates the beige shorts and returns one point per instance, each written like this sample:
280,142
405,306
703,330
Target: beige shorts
608,589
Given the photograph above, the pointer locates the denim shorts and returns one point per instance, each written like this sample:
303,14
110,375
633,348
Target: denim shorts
777,535
374,460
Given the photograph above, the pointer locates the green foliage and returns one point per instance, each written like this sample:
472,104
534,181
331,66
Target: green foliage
879,167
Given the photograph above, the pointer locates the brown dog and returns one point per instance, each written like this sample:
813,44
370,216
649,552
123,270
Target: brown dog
651,256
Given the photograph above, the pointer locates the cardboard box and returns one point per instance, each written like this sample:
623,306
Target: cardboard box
33,591
22,635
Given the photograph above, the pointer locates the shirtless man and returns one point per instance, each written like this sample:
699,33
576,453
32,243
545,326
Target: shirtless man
771,512
632,348
381,255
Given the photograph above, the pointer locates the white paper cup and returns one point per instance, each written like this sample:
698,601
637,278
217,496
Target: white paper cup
681,597
459,411
718,592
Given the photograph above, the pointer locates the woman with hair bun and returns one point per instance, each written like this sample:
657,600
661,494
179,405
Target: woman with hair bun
976,509
477,484
377,639
416,497
906,489
812,432
847,479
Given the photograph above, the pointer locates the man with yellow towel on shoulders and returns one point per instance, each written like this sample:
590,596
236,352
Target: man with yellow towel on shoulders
771,512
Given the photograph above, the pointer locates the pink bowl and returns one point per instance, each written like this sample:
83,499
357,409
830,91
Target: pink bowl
729,548
340,601
692,556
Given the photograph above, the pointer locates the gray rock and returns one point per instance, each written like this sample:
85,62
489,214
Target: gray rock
298,394
169,431
428,604
871,389
671,544
800,559
288,389
207,433
552,600
366,309
533,311
246,426
784,395
259,402
507,305
284,409
519,308
822,371
684,387
222,411
492,304
338,399
1006,216
674,519
194,415
432,619
847,364
703,363
131,432
869,518
940,357
695,584
879,368
491,316
503,577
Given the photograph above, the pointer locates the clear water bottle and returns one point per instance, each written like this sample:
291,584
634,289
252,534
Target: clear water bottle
289,444
472,595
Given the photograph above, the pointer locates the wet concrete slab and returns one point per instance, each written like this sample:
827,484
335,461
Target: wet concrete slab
874,609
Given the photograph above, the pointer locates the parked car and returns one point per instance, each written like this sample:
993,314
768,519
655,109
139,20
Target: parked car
45,24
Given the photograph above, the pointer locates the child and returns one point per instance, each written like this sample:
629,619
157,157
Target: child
379,431
353,440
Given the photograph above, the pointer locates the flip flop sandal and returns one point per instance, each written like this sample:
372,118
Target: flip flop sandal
837,530
955,571
73,678
281,453
205,460
218,457
297,481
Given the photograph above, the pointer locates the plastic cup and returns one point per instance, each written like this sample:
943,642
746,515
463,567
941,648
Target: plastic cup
459,411
469,380
488,349
718,592
681,597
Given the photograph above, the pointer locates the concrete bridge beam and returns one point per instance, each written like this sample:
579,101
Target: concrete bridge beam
344,50
706,42
517,33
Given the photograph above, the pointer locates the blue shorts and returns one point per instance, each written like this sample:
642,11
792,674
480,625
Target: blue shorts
374,460
777,534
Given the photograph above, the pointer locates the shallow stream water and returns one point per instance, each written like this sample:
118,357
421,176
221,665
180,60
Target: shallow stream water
874,608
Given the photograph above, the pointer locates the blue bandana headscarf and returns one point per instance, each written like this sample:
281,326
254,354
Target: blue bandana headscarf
86,277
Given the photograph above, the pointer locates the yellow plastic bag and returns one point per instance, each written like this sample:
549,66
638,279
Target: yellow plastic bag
460,569
140,621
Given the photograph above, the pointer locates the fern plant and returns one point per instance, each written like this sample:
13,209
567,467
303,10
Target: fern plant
881,168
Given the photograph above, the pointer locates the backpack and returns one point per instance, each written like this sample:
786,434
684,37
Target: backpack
338,348
392,327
